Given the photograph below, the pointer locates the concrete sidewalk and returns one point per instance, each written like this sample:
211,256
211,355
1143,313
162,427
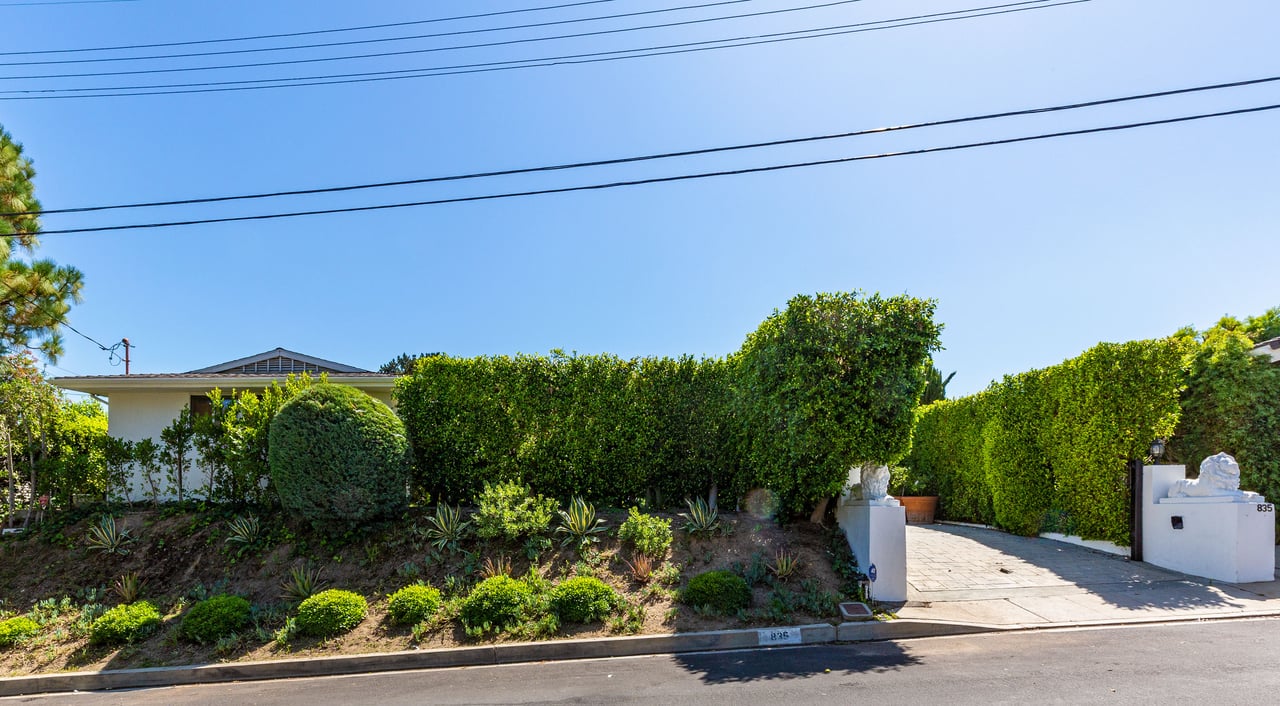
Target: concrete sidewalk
974,575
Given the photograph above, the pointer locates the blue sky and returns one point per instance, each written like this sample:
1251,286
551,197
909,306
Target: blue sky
1033,251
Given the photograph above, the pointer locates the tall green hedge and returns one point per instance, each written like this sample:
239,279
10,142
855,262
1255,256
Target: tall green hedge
953,462
1053,441
607,429
1232,404
828,382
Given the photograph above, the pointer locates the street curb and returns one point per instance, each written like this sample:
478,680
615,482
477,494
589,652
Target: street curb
508,653
560,650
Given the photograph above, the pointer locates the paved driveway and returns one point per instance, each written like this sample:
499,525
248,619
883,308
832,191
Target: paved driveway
971,574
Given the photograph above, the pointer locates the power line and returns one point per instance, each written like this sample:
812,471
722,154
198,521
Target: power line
668,179
456,47
585,58
400,39
61,2
313,32
59,319
662,155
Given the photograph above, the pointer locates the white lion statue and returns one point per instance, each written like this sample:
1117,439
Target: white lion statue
1219,476
875,481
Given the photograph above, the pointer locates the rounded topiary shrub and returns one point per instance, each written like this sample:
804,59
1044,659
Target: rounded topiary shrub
338,455
584,599
722,591
495,604
215,618
15,630
413,604
125,623
331,612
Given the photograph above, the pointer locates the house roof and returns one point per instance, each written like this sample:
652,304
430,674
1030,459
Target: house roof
255,371
279,360
1269,348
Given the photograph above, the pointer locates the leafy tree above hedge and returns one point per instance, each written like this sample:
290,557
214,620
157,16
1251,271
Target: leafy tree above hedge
338,454
831,381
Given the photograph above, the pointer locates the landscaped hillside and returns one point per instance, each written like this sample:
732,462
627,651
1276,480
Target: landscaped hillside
63,578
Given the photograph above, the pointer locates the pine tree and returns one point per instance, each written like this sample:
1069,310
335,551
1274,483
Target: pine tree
35,294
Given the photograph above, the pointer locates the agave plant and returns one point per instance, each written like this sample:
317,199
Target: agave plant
495,567
641,567
129,587
579,524
447,528
244,530
701,518
109,536
785,564
304,581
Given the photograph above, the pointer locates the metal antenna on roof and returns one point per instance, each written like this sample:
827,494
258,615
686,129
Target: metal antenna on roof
125,341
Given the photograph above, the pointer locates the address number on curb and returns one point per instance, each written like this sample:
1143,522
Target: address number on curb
1266,507
780,636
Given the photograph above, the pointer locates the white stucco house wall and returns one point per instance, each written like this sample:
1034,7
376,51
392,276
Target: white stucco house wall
139,406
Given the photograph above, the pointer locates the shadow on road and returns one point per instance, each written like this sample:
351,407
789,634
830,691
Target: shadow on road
796,663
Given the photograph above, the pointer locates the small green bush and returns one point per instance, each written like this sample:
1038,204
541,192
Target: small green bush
339,455
512,511
129,622
15,630
584,599
647,534
331,612
722,591
210,620
496,604
413,604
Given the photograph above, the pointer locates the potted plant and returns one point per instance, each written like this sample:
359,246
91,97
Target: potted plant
917,493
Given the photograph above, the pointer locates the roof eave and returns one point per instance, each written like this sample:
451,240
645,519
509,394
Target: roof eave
126,383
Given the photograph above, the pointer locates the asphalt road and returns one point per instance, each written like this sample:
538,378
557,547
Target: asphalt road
1228,662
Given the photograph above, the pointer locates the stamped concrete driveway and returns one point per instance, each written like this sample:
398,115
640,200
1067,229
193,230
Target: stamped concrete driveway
972,574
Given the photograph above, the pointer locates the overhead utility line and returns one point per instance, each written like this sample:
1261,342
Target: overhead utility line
437,35
284,35
61,320
663,155
508,65
667,179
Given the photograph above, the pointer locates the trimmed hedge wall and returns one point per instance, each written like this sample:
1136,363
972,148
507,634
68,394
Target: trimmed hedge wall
829,382
1054,442
608,429
1232,404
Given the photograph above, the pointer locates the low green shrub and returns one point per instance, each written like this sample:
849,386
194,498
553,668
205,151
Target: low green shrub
510,510
125,623
496,604
331,612
211,620
15,630
413,604
721,591
647,534
584,599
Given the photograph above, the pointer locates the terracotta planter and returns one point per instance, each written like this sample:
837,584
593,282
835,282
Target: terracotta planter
920,508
